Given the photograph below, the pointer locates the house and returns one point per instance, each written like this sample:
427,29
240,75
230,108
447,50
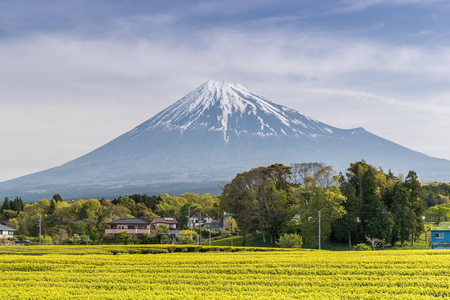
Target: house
440,239
6,231
171,223
136,227
199,219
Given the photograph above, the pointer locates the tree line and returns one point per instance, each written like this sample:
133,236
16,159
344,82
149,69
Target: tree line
80,220
364,203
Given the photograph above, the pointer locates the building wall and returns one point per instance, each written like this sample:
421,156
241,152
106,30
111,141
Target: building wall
440,239
8,234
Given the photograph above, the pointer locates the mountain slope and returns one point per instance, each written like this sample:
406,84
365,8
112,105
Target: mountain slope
206,138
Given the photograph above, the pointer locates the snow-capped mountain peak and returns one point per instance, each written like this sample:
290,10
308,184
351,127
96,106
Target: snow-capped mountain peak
205,139
233,110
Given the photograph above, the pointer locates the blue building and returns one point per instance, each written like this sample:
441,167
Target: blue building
440,239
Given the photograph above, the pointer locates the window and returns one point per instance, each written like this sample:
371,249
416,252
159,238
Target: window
10,232
439,235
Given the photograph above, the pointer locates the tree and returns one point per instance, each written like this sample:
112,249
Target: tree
329,201
292,240
161,229
374,242
186,236
366,194
231,224
62,235
438,213
260,199
144,213
381,226
4,240
9,214
403,214
125,236
317,173
6,205
128,203
416,205
57,198
80,228
17,204
52,207
346,228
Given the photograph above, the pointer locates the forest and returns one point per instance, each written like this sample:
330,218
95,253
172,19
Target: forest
364,204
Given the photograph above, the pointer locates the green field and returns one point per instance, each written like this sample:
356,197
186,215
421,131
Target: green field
65,273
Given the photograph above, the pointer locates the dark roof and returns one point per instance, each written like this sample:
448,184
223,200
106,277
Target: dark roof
164,220
203,216
129,221
3,227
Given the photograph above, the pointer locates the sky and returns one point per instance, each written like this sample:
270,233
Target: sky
76,74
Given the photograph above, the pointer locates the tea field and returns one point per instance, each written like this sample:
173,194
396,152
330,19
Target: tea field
79,273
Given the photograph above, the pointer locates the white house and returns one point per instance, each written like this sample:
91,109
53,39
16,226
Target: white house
6,231
199,219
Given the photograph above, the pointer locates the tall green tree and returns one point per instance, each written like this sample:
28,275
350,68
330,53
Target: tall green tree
260,199
52,208
365,195
18,204
401,209
345,229
57,198
6,204
327,200
416,204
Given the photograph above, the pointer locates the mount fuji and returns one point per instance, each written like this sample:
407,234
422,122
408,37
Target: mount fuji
205,139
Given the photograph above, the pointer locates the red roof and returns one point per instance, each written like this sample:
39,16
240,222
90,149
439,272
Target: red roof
164,220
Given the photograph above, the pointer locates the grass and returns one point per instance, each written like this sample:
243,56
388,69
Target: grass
237,242
298,274
86,250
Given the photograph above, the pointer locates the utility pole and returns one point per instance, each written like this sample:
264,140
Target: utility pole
319,230
110,214
40,227
209,229
200,229
189,217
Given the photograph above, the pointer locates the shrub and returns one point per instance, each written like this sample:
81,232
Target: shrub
361,247
292,240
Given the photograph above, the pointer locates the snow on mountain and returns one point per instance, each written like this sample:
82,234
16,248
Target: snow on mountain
231,109
205,139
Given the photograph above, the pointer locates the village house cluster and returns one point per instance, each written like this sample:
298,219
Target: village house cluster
138,227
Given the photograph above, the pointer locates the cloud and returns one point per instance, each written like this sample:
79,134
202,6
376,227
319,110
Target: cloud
422,33
140,64
57,64
349,6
